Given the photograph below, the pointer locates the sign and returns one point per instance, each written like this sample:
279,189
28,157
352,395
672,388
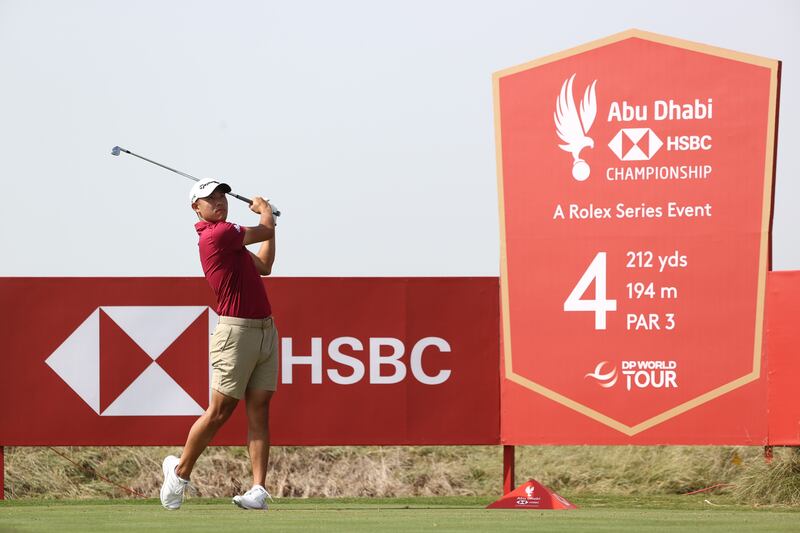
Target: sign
635,177
124,361
364,361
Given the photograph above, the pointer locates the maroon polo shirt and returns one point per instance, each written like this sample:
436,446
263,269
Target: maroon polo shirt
230,271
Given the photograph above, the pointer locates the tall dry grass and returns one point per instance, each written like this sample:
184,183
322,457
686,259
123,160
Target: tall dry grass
225,471
771,483
413,471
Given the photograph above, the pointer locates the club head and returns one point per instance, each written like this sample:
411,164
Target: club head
115,150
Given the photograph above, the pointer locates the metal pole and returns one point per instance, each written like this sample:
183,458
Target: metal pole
508,469
2,474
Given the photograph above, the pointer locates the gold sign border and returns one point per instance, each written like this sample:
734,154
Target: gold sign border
764,250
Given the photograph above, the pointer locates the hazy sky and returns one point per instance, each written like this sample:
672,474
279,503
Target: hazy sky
368,123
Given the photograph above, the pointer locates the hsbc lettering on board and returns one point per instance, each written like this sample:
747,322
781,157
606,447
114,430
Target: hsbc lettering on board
385,365
142,339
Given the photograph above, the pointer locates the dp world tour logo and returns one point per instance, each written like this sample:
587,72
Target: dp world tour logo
638,374
573,126
139,361
605,379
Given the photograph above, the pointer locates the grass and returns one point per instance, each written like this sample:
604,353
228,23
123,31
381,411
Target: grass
596,513
337,472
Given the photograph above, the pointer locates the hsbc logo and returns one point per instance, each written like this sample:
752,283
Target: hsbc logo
153,360
139,360
635,144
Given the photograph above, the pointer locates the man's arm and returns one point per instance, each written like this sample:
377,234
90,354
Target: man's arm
266,226
265,257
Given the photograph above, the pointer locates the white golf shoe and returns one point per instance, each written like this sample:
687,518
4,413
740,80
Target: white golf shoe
173,487
255,498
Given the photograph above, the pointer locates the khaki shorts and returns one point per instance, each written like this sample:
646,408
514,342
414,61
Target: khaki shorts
244,355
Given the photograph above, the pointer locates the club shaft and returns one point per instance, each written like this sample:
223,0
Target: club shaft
248,201
184,174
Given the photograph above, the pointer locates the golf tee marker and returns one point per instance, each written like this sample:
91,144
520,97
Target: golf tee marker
534,496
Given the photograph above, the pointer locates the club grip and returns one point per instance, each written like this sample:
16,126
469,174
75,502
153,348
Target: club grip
242,198
250,202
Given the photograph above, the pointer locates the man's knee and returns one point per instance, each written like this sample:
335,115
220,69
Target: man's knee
219,417
258,410
258,399
221,408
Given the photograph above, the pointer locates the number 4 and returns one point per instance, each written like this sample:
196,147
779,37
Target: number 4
600,306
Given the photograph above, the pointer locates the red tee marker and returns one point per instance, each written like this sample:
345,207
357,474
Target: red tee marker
532,495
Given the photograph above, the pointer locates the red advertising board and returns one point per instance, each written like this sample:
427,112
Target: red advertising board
782,351
124,361
635,177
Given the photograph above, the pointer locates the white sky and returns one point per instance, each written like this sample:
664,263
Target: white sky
369,124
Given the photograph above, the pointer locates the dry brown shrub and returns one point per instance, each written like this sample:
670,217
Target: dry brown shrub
776,482
411,471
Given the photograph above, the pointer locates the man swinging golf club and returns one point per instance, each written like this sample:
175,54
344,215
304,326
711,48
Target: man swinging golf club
244,347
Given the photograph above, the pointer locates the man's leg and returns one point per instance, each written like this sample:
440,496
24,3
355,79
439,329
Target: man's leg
257,404
219,410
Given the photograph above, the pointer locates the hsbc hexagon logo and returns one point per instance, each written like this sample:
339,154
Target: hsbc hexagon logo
635,144
139,360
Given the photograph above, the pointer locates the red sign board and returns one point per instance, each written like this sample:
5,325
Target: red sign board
372,361
125,362
783,358
635,179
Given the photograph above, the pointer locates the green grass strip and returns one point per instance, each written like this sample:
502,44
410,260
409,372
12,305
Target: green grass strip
596,513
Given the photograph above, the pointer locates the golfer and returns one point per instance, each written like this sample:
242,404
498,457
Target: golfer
244,347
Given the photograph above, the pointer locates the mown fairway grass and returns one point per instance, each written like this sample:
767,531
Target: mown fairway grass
617,514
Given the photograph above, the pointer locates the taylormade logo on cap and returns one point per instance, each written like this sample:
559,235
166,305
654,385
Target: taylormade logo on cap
205,187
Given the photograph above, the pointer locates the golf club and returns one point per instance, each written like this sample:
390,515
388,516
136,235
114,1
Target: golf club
117,149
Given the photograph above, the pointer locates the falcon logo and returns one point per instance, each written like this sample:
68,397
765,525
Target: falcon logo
573,127
139,361
605,380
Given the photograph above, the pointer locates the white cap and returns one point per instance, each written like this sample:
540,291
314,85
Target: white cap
205,187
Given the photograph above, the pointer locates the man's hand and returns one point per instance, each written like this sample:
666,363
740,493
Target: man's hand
266,224
260,206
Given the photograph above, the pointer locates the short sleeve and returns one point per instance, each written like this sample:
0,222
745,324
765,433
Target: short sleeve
227,236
